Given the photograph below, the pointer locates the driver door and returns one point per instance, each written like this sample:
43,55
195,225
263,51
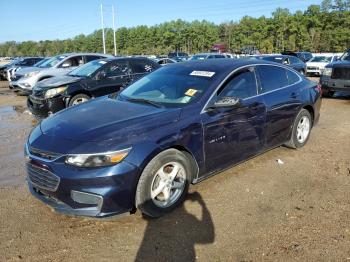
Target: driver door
235,133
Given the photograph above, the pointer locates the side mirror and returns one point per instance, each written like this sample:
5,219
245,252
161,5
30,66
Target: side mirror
65,65
227,101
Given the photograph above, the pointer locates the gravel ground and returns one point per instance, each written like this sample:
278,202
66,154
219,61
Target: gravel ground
257,211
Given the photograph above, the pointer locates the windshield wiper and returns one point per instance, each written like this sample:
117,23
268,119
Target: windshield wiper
145,101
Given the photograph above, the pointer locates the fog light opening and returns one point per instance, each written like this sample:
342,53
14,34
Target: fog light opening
86,198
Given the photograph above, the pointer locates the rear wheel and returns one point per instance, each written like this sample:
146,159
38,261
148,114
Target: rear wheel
301,130
163,183
78,99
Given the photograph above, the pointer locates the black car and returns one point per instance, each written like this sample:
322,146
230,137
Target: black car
178,56
336,76
96,78
287,60
303,56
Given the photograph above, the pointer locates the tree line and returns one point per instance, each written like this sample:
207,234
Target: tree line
320,28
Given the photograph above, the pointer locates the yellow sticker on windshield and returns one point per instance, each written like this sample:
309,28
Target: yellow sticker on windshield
191,92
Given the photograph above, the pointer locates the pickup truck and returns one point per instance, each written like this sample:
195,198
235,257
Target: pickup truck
336,76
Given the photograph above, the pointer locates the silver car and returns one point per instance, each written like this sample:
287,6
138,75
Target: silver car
25,79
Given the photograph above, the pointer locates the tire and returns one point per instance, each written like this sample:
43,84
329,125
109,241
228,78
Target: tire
78,99
149,199
301,130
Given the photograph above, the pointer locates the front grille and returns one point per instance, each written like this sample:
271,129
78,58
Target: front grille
43,154
312,68
36,100
341,73
42,178
15,77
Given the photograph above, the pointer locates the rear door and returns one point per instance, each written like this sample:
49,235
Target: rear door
280,92
141,67
235,133
116,74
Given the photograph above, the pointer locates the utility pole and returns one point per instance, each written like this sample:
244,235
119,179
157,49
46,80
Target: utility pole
115,45
103,31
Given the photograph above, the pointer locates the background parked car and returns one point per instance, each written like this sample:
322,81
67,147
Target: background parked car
317,64
204,56
25,62
303,56
28,61
178,56
288,60
336,75
25,79
96,78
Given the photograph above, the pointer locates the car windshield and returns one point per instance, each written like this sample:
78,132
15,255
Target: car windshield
170,86
88,69
52,61
324,59
41,62
199,57
346,56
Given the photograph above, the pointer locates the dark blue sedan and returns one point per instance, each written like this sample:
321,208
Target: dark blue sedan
176,126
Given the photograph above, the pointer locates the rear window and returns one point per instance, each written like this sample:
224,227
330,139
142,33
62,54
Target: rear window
272,78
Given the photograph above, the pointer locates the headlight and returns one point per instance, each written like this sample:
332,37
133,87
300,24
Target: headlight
55,91
31,74
97,160
327,71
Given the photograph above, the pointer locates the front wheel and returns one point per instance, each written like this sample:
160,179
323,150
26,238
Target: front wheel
78,99
301,130
163,184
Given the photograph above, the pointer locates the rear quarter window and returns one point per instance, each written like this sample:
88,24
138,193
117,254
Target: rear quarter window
143,66
292,77
272,78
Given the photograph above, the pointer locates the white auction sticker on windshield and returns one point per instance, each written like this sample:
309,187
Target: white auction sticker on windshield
202,73
102,62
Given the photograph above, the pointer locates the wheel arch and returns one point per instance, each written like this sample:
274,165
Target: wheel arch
311,110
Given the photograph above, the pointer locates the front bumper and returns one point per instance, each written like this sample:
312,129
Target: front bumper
44,107
330,84
98,192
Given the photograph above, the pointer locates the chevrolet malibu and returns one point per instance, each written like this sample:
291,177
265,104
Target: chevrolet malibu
181,124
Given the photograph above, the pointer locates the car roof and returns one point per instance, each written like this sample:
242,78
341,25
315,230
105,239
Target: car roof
221,66
74,54
113,58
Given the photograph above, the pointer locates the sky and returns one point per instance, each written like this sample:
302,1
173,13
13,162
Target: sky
36,20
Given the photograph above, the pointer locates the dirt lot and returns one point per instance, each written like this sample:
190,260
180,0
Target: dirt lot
257,211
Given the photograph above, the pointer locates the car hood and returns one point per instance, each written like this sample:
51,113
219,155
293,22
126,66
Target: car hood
56,81
107,118
29,69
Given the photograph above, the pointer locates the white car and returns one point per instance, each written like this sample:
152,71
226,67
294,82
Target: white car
316,65
25,79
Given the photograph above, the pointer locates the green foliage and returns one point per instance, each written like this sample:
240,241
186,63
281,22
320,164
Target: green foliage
321,28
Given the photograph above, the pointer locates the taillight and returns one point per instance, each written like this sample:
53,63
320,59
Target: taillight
319,89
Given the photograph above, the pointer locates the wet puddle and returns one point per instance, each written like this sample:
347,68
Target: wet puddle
15,125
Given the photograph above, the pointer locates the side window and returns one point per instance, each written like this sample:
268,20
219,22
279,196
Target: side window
241,85
142,66
117,69
272,77
294,60
74,61
90,58
292,77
